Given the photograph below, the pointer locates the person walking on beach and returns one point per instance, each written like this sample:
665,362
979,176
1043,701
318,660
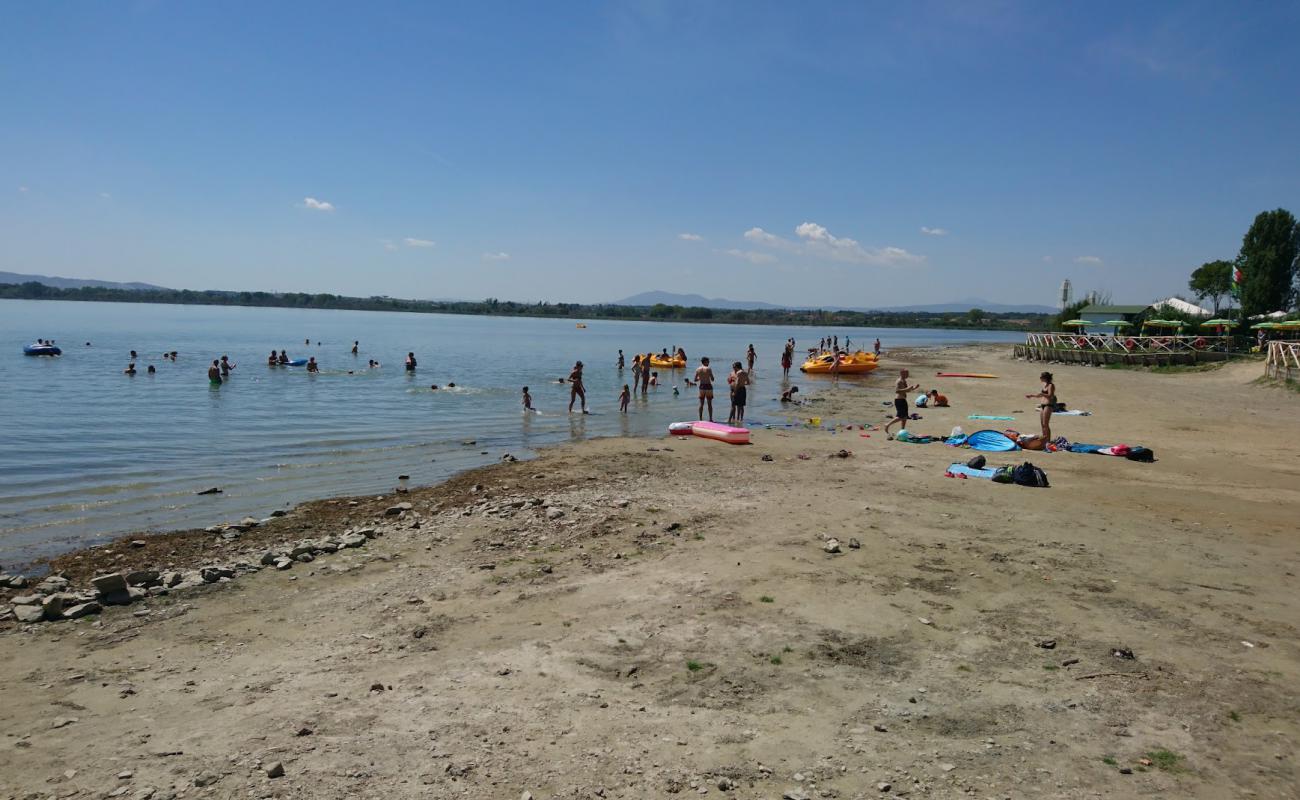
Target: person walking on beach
624,397
410,362
576,389
1048,395
901,390
704,379
877,347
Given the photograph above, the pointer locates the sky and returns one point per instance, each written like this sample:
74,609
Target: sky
819,153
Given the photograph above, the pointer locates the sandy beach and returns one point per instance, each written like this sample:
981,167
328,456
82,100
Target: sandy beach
630,618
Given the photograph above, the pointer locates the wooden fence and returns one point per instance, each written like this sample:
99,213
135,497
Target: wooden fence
1085,348
1283,361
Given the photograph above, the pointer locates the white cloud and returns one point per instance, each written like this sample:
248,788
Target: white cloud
934,231
318,205
388,244
106,195
690,237
496,256
816,241
1047,259
1088,260
22,189
409,242
751,256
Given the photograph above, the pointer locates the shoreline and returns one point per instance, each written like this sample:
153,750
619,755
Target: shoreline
624,618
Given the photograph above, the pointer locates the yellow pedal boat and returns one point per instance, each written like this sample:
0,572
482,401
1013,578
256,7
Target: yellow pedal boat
858,363
667,363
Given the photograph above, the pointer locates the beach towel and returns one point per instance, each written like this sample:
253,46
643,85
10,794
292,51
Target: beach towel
986,416
1074,413
962,469
911,438
1080,447
991,441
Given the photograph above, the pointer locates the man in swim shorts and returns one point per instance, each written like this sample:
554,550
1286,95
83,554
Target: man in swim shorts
704,379
901,389
739,393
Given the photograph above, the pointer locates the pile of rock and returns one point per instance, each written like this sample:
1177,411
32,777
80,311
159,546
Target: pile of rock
54,599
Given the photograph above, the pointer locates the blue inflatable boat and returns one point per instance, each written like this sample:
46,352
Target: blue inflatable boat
41,350
297,362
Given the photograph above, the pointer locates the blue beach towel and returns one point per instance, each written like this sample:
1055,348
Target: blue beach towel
962,469
986,416
991,441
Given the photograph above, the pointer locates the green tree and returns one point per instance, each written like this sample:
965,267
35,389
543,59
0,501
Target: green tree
1212,281
1268,263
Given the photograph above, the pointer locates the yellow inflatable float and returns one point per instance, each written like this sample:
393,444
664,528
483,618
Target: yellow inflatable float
858,363
667,363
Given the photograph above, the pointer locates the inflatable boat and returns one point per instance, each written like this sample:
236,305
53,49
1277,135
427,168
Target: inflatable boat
297,362
42,350
858,363
667,363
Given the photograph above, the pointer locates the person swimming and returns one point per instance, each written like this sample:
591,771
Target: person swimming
433,388
284,358
312,366
151,370
130,369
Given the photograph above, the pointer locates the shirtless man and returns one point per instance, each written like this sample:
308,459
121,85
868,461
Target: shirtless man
704,379
576,389
739,393
901,390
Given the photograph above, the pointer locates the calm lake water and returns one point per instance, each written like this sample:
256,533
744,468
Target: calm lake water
89,452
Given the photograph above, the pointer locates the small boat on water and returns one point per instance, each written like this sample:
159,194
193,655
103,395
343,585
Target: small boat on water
858,363
582,324
668,363
42,350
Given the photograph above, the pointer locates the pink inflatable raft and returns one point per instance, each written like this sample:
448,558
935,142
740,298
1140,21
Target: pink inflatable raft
711,430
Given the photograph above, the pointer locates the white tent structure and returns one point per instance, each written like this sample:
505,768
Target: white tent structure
1182,305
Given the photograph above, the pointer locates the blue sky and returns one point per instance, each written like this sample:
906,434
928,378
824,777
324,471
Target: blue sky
813,153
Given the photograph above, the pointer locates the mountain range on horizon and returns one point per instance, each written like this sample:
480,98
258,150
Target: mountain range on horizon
669,298
74,283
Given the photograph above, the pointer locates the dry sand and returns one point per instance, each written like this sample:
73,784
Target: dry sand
680,627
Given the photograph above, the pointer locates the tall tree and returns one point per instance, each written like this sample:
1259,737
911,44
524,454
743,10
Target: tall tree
1212,281
1268,262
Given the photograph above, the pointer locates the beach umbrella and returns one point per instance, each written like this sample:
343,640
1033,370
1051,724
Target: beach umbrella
1163,323
1218,323
1115,323
1075,323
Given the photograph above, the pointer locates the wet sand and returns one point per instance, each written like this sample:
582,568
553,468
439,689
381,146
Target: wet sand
664,619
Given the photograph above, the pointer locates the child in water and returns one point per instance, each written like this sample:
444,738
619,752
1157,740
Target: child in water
654,379
624,397
528,401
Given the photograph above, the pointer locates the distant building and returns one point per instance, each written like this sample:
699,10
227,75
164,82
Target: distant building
1182,305
1098,314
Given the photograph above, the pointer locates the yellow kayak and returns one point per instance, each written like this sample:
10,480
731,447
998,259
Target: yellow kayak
667,363
858,363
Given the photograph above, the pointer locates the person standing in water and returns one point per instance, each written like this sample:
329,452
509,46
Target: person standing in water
130,369
355,345
787,359
576,389
1048,395
528,402
624,397
312,366
739,381
226,366
271,360
704,379
214,372
410,362
901,390
750,357
620,360
284,358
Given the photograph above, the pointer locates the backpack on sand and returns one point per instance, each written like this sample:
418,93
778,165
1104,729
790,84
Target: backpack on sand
1028,475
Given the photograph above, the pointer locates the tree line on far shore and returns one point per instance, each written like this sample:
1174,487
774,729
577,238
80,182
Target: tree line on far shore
973,319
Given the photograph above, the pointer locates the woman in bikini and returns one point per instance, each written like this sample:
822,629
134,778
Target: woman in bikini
576,389
1048,396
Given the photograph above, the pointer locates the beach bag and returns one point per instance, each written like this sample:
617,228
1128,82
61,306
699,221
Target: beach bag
1028,475
977,462
1137,453
1003,475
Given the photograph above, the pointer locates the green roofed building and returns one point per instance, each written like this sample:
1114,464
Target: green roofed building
1096,315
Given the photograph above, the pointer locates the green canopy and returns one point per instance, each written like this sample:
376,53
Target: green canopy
1112,323
1075,323
1263,326
1218,323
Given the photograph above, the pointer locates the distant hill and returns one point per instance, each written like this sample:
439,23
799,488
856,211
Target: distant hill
671,299
73,283
959,306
